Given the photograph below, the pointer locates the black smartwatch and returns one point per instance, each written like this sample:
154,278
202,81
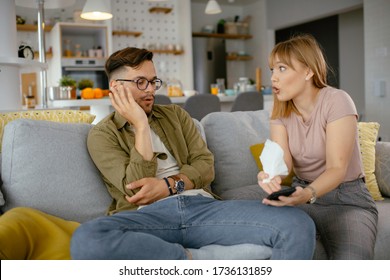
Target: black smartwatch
179,184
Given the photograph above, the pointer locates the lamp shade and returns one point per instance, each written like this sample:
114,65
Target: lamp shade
212,7
96,10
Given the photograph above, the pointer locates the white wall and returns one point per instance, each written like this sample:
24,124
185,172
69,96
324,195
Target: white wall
377,62
257,47
351,57
287,13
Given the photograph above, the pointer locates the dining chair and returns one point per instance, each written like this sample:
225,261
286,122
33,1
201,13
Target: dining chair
248,101
162,99
200,105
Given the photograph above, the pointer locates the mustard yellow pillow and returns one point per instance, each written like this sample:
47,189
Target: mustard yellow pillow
65,116
29,234
256,150
368,133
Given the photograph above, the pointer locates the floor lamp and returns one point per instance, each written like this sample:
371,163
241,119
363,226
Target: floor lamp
41,5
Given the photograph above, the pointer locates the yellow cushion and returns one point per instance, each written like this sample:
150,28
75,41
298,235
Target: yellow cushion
256,150
65,116
368,133
29,234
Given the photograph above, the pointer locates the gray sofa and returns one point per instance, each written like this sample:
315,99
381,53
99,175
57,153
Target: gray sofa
46,166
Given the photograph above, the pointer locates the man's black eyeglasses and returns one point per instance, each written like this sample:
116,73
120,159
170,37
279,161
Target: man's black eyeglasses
143,83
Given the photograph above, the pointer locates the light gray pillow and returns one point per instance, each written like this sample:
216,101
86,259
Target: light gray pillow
229,136
46,166
382,167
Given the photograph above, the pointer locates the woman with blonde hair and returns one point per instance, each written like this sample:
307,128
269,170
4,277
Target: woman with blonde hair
316,126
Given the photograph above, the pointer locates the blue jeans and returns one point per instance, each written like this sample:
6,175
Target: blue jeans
163,229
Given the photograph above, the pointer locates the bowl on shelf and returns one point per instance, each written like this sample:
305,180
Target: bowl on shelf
230,92
189,92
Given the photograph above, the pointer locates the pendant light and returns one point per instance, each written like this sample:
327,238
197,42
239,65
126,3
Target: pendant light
96,10
212,8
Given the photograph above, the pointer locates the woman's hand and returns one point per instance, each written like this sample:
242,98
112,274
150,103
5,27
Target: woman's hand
272,186
300,196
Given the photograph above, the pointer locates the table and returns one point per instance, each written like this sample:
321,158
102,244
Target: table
102,107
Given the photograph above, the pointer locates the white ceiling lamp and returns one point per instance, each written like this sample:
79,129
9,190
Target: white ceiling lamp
96,10
212,8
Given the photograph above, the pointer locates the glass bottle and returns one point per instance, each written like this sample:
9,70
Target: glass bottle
221,85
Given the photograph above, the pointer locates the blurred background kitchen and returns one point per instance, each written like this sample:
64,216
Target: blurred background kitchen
357,31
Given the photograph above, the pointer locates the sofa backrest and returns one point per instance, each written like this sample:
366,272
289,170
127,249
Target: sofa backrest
46,166
229,136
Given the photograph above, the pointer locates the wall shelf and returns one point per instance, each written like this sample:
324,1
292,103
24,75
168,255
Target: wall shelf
48,55
239,57
126,33
160,10
167,52
222,35
32,27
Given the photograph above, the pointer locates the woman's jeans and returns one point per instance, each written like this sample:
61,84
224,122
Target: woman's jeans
163,229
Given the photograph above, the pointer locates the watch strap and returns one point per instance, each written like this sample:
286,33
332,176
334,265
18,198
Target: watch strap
175,177
168,185
313,194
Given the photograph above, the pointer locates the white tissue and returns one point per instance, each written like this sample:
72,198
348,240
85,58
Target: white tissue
272,160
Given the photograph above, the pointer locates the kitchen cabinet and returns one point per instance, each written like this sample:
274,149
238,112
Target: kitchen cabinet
80,49
222,35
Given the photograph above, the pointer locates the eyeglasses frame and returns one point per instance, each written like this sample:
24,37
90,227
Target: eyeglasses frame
148,82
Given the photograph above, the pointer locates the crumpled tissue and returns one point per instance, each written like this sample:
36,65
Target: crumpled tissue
272,160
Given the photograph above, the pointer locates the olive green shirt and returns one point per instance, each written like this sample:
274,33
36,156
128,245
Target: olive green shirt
111,146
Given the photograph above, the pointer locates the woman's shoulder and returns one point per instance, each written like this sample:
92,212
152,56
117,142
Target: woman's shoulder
331,93
337,102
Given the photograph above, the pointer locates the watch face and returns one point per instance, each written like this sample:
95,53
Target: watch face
179,186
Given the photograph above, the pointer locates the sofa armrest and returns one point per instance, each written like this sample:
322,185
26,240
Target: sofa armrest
382,167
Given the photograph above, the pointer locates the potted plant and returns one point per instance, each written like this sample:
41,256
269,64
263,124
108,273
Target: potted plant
85,83
68,87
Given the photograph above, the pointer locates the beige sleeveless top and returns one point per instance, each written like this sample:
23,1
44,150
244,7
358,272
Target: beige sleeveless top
307,139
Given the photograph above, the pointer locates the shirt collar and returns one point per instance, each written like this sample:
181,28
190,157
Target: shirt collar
120,121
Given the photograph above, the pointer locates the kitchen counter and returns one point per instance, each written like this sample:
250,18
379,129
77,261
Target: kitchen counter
102,107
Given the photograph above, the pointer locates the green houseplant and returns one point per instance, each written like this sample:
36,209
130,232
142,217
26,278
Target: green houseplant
68,86
85,83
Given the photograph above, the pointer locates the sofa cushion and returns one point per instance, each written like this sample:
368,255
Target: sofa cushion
382,245
66,116
46,166
382,167
368,133
229,136
29,234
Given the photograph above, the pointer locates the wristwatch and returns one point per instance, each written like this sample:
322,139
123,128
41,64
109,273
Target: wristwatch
179,184
313,195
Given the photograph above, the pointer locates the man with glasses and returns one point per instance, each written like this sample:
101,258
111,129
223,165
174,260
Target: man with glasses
157,168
